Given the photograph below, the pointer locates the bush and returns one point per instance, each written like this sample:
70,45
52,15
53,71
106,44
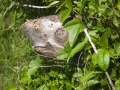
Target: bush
98,61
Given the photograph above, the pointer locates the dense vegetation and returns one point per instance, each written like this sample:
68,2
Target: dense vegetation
92,63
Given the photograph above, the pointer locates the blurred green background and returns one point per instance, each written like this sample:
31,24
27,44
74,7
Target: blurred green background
15,48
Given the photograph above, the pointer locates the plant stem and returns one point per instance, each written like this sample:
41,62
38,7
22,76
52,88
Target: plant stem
95,50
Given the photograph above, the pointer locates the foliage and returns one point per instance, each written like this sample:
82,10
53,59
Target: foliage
100,17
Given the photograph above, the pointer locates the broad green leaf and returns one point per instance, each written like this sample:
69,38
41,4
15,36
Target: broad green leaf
93,33
65,13
43,87
62,54
99,27
118,6
34,65
91,83
115,22
117,82
103,59
94,59
62,76
112,52
74,27
67,47
35,62
111,12
32,71
104,41
87,76
81,4
78,47
53,73
117,48
117,85
113,72
117,13
68,87
69,4
102,8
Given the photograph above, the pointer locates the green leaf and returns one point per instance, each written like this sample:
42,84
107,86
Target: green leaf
68,48
99,26
53,74
34,65
117,85
62,54
81,4
117,82
118,6
94,59
43,87
60,7
35,62
111,52
69,4
117,48
65,13
115,22
104,41
53,3
87,76
74,27
103,59
91,83
78,47
32,71
113,72
117,13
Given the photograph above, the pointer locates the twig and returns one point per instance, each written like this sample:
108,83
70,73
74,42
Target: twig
109,79
95,50
88,36
33,6
26,5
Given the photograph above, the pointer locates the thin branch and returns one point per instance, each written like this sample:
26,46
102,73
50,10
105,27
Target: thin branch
109,79
26,5
95,50
88,36
33,6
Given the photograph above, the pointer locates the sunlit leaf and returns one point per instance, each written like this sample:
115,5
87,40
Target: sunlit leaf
104,41
117,13
87,76
78,47
74,27
69,4
103,59
118,6
65,13
35,62
94,59
32,71
91,83
117,48
62,54
117,85
43,87
115,22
